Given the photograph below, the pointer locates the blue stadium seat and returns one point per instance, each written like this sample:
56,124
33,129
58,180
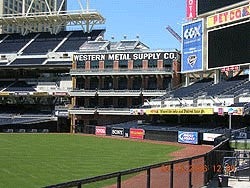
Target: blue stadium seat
44,43
76,39
14,42
27,62
20,86
65,63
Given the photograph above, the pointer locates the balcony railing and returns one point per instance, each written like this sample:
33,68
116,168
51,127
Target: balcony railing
120,71
116,93
102,111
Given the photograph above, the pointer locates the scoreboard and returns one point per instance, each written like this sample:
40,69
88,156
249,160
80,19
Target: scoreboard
205,6
229,46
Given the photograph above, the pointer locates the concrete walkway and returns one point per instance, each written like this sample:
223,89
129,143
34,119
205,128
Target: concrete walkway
232,182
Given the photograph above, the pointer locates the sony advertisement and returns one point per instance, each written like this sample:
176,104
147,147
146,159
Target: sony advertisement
192,34
117,132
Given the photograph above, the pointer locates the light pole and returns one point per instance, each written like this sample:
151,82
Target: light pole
230,121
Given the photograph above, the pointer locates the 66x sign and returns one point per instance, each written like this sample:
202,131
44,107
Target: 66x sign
192,32
192,46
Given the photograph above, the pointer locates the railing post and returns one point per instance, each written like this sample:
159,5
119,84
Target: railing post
79,185
205,172
148,178
172,175
190,172
119,178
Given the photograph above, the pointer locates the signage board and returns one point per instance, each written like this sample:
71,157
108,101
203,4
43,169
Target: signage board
188,137
192,49
136,133
117,132
172,111
100,130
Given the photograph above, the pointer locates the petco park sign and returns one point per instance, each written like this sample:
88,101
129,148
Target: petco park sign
228,16
125,56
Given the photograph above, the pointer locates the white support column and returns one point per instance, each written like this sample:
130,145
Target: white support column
55,5
249,73
87,5
216,76
187,80
23,8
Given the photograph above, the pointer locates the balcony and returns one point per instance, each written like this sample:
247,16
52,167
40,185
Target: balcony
120,71
116,93
100,111
82,92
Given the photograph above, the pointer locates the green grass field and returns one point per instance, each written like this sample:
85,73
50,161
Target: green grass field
36,160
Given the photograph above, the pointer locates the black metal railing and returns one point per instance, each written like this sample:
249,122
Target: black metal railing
189,169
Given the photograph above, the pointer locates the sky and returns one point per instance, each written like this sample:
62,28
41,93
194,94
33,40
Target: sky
147,19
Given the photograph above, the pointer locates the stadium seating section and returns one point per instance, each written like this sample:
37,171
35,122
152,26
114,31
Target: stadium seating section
42,43
233,86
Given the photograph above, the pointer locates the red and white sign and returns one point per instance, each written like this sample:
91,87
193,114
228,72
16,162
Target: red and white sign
191,9
137,133
220,111
231,68
100,130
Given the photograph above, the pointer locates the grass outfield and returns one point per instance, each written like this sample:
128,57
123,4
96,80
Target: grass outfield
36,160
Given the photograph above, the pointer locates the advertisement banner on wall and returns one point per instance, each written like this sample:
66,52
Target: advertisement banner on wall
192,34
191,9
136,133
180,111
237,111
100,130
137,111
220,111
228,16
117,132
188,137
210,136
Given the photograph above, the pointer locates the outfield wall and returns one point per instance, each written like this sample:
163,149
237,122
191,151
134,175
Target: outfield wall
186,136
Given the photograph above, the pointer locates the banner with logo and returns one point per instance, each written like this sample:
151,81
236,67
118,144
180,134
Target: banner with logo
4,93
188,137
191,9
192,34
137,111
61,113
100,130
117,132
220,111
210,136
180,111
136,133
235,111
228,16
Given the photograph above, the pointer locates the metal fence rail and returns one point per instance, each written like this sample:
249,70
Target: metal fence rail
184,166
